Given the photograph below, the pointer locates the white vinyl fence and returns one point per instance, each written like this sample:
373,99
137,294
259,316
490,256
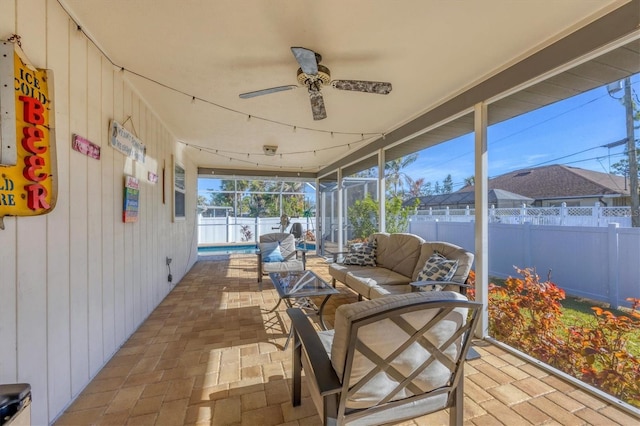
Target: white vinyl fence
596,215
598,263
228,230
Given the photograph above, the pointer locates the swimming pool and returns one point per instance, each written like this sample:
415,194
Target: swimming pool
241,249
228,249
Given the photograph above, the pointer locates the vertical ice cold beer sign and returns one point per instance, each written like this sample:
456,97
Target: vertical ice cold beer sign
28,184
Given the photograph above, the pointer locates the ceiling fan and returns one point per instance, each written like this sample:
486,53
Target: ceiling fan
313,76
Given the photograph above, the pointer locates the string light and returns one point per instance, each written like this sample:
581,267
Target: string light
248,117
295,128
193,97
239,156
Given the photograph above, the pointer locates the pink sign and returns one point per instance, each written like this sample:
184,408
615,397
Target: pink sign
85,147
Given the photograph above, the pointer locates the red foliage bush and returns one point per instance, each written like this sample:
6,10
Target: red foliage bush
526,314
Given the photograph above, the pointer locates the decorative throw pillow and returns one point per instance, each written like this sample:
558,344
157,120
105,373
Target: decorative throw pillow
362,254
438,268
271,252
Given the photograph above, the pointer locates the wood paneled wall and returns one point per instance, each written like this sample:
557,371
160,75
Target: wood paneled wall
75,283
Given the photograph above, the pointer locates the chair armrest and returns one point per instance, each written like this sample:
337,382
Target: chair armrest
336,254
323,373
416,285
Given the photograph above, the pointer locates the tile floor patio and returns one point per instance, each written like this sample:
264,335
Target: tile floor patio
211,354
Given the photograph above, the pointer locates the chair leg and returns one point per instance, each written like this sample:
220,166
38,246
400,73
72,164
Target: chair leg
456,412
296,387
330,415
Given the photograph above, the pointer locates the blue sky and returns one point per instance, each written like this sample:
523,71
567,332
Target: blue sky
556,134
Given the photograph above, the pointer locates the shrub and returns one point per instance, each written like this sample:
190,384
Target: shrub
599,354
527,314
247,235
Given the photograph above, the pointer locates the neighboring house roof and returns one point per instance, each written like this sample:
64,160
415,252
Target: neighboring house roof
558,181
461,199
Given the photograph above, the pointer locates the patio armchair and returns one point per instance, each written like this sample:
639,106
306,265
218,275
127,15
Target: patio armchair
296,230
277,252
387,360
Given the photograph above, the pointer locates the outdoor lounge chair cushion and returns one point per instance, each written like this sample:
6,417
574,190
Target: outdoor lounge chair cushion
399,252
286,244
271,252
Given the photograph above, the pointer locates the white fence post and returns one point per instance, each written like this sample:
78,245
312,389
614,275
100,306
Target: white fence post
596,212
492,213
564,213
613,264
526,244
523,213
256,227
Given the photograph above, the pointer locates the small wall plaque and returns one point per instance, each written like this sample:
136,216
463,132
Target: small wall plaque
86,147
131,199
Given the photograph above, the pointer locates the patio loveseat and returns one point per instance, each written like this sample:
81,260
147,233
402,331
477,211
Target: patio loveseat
387,263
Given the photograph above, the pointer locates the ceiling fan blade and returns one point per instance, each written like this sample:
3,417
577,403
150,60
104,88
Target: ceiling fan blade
379,87
307,60
267,91
317,105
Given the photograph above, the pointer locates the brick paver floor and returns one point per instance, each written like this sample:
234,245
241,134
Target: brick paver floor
211,354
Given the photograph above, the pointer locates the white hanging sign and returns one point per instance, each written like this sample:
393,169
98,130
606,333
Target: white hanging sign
126,142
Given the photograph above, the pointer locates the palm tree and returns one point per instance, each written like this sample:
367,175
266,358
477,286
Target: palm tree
394,175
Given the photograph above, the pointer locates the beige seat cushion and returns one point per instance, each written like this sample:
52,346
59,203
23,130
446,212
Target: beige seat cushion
362,280
339,271
401,253
287,242
388,290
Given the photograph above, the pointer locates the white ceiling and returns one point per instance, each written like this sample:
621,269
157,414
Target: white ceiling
430,50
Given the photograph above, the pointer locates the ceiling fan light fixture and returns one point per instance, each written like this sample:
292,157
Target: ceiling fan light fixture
323,76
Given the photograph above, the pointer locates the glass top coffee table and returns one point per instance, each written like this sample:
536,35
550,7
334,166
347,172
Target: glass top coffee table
297,288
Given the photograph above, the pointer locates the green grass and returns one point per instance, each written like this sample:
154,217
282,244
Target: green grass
577,311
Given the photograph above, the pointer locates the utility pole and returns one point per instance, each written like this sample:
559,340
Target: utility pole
633,158
631,147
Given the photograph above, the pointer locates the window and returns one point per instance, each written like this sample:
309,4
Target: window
179,190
